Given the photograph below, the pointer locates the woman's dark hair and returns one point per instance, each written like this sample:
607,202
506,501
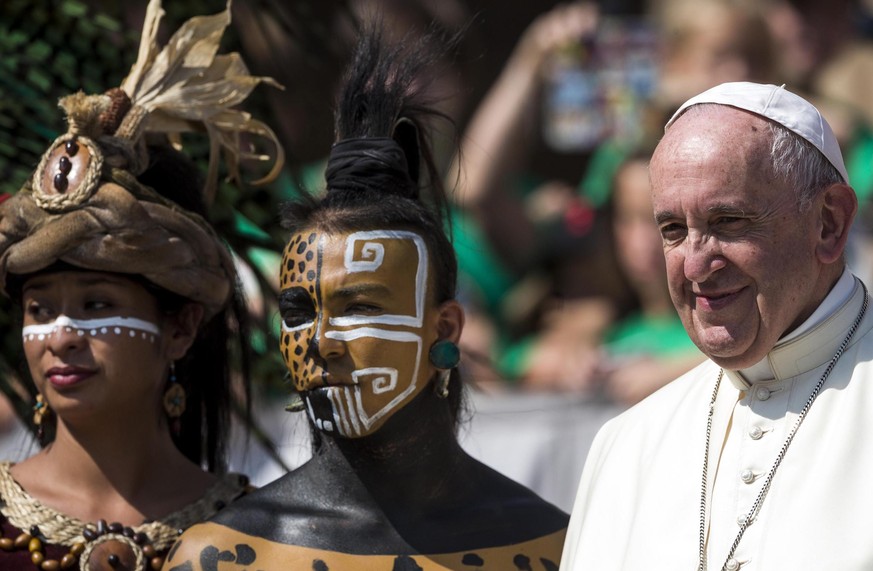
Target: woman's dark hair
206,370
381,172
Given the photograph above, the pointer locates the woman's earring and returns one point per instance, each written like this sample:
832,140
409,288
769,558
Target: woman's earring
444,356
40,410
174,401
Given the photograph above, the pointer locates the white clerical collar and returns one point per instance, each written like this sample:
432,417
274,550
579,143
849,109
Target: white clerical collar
836,298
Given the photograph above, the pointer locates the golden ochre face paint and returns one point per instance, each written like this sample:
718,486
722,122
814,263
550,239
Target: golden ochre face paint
355,325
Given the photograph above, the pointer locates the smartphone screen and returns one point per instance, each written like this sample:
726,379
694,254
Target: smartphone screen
596,88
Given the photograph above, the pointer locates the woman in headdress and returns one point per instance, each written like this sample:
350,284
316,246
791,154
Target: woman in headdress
369,333
126,293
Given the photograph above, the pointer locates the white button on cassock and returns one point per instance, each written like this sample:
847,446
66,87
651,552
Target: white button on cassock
755,433
762,393
732,564
747,476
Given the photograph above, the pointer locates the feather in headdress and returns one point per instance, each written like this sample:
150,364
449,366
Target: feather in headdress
186,86
84,205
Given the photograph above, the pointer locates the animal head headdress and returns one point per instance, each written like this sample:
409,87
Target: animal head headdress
84,205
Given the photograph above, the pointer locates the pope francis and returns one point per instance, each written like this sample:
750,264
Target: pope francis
758,459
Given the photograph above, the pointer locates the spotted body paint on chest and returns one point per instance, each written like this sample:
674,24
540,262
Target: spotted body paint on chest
214,547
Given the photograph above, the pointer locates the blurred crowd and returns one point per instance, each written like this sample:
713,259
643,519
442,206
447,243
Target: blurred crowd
556,108
565,279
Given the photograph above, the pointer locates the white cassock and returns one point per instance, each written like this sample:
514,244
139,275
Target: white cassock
638,505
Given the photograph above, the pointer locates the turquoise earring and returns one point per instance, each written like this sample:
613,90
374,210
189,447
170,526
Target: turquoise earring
444,355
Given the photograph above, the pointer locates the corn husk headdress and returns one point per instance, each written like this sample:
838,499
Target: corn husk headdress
84,205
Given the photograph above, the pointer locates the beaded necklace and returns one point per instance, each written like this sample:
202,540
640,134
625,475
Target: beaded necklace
92,545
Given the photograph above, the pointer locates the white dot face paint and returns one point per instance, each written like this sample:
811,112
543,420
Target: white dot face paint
103,327
95,343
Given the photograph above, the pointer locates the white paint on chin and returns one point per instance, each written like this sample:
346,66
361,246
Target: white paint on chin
115,325
354,420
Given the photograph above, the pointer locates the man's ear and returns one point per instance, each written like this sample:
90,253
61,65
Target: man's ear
838,205
182,330
450,322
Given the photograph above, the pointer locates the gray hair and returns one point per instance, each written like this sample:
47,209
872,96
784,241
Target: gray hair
793,160
796,161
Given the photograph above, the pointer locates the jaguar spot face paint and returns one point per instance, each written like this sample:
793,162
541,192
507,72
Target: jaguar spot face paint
356,325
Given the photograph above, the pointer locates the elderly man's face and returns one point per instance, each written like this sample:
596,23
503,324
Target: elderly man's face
741,261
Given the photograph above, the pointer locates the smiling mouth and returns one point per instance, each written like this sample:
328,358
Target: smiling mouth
716,301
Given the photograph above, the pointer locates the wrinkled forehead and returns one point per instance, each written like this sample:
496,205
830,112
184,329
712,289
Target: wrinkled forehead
722,125
716,139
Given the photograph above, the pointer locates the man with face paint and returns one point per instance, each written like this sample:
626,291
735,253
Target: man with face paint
356,320
369,333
